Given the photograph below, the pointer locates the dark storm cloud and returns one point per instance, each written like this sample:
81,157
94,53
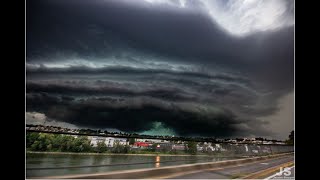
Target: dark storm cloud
91,63
99,29
165,84
136,114
109,89
42,70
113,104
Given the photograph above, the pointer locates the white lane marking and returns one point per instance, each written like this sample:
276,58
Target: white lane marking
276,174
264,163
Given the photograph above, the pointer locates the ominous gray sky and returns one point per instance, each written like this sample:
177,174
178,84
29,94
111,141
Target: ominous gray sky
184,67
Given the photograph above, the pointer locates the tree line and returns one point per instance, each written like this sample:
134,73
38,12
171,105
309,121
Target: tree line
66,143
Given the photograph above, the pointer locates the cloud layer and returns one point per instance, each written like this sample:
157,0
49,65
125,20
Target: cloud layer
115,64
238,17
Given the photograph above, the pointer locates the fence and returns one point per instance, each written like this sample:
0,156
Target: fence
227,149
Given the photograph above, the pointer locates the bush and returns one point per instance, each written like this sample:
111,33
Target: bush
119,148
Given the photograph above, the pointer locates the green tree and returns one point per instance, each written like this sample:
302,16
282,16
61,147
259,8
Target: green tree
126,149
42,143
132,141
86,146
66,143
154,147
49,147
119,148
290,141
36,145
77,145
192,147
101,147
57,142
31,137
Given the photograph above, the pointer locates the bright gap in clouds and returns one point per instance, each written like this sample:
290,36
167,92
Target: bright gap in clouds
240,17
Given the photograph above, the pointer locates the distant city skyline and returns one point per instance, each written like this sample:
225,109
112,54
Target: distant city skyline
188,68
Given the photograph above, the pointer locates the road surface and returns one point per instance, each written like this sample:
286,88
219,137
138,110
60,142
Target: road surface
232,172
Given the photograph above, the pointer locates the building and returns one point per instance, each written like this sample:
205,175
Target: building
179,147
142,145
110,141
94,140
164,146
151,140
199,148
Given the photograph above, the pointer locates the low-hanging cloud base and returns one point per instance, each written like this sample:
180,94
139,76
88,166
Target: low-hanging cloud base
159,67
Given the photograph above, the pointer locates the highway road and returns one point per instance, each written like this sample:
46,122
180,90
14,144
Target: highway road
232,172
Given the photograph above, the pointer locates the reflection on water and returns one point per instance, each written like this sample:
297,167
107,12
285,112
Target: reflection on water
109,162
157,161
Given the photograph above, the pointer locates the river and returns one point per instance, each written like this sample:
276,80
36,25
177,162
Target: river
36,164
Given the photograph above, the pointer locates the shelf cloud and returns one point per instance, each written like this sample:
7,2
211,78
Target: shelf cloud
204,68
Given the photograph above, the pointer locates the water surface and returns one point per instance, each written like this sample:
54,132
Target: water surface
113,162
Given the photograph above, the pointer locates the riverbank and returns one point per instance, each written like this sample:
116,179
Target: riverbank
114,154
